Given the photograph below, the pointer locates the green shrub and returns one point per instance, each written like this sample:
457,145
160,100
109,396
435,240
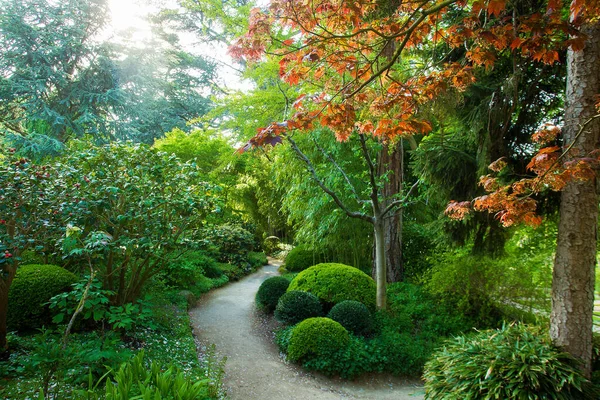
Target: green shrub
299,259
481,287
425,314
296,306
257,260
32,288
230,243
515,362
353,316
185,271
270,291
333,283
271,244
316,337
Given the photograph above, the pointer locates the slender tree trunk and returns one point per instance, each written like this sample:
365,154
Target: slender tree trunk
391,164
573,275
380,278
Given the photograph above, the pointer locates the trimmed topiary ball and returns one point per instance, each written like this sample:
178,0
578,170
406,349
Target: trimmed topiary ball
353,316
315,337
299,258
296,306
31,289
270,291
333,283
513,362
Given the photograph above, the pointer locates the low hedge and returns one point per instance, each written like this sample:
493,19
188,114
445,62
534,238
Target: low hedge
333,283
31,289
299,259
296,306
353,316
270,291
315,337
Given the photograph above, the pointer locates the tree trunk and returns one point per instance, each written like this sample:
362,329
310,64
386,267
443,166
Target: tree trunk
380,277
573,275
5,283
391,162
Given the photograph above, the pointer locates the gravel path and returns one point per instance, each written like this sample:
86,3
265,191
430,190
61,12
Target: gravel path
227,318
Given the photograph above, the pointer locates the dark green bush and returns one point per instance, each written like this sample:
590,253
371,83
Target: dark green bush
230,243
296,306
32,288
186,270
481,287
515,362
333,283
257,259
299,259
353,316
270,291
315,337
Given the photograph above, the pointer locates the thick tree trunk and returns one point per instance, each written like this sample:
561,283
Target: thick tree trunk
573,275
5,283
380,277
391,164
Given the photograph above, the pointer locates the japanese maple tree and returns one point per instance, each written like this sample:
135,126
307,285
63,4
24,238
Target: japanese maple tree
375,75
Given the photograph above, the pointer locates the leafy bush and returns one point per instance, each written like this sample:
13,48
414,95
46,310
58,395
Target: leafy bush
481,288
403,337
333,283
135,379
184,271
513,362
423,312
315,337
296,306
257,260
270,291
271,244
353,316
31,289
299,259
231,241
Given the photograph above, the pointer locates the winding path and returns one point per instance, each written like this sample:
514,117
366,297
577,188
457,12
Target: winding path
227,318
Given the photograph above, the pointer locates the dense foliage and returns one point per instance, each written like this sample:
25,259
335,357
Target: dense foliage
353,316
333,283
316,337
30,292
270,291
513,362
296,306
299,259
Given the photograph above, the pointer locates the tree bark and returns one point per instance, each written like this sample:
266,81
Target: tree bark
5,283
391,162
574,265
380,278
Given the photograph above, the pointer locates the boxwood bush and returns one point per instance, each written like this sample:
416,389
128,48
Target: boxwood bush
32,288
299,259
296,306
269,293
333,283
316,337
353,316
515,362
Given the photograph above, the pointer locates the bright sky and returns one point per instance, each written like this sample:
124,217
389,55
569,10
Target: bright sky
130,14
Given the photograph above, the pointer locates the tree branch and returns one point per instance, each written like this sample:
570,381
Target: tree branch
402,201
323,187
346,177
